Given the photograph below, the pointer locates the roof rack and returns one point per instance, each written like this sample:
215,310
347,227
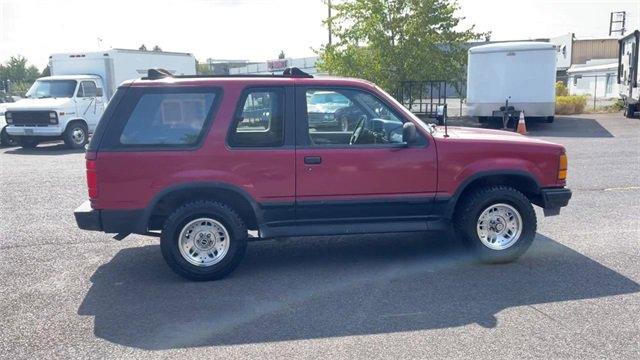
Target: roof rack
291,72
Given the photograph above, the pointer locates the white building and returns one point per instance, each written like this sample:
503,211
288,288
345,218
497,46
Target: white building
595,77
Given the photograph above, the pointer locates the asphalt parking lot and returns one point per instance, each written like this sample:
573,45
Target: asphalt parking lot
576,294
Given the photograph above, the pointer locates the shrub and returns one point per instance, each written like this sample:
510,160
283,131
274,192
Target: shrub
561,89
573,104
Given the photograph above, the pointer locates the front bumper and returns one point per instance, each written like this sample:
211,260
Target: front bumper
54,130
110,221
551,200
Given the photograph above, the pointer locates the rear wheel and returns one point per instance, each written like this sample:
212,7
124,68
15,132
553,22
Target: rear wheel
203,240
27,142
498,223
76,136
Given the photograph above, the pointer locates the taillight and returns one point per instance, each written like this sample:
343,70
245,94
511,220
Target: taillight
562,167
92,179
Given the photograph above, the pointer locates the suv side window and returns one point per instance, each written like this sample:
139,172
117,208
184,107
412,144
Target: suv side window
259,119
349,117
87,89
168,118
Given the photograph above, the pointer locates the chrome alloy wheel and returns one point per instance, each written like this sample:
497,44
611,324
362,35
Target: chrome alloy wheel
204,242
78,135
499,226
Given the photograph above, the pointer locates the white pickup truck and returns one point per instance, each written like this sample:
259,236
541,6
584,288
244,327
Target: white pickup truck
68,104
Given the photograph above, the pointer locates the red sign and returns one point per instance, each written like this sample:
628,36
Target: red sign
275,65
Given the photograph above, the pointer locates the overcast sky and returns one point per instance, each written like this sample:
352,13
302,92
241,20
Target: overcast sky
258,29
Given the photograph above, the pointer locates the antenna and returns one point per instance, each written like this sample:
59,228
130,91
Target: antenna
620,18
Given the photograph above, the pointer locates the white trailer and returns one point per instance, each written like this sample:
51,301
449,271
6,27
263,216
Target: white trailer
628,73
68,104
522,74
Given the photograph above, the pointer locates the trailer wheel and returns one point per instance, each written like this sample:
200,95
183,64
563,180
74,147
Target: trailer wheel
630,110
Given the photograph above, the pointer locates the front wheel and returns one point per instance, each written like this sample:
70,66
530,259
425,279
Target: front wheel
498,223
344,124
76,136
203,240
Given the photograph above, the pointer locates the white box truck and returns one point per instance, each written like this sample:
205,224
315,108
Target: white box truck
68,104
628,73
504,79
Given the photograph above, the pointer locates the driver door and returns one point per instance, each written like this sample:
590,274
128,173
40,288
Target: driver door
89,104
361,173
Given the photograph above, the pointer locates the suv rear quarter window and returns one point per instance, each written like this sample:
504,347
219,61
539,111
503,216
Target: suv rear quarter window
162,118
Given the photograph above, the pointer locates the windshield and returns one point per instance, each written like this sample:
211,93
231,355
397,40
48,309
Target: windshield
52,89
429,127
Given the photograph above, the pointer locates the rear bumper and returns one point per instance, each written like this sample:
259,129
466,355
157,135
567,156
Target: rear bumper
109,221
551,200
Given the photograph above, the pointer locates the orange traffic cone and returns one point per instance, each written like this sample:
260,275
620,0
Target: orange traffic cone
522,126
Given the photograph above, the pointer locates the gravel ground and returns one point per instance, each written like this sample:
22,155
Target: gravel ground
67,293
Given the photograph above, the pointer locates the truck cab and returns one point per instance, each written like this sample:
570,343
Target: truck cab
66,107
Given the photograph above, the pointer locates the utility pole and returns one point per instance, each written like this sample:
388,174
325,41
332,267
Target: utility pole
329,19
620,18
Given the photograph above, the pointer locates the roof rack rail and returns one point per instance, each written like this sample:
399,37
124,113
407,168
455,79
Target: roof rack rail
291,72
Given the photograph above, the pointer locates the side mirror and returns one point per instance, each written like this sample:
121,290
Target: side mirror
409,133
99,92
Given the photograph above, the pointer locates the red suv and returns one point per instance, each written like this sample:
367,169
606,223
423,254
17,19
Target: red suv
199,161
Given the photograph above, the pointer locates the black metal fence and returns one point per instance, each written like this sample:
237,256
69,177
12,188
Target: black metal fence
423,97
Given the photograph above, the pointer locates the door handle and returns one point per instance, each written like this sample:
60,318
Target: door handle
312,160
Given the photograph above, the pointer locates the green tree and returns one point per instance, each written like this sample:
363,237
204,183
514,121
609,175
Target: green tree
281,55
19,73
388,41
202,68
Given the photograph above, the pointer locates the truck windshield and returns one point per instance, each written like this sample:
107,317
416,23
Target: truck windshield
52,89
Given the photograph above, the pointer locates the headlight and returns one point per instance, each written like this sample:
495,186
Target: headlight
53,117
8,117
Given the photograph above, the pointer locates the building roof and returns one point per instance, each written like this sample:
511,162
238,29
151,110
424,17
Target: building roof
582,68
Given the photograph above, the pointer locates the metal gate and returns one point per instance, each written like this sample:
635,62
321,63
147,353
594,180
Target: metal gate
423,97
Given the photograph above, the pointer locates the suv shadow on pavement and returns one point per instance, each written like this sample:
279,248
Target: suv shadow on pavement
295,290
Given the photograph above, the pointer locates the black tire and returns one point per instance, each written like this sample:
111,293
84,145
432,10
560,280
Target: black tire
6,139
549,119
469,211
169,240
27,142
80,139
630,110
344,124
